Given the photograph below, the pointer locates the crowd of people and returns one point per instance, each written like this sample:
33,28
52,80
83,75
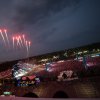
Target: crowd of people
56,67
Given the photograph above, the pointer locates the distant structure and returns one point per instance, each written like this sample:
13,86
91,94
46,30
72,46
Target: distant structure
92,50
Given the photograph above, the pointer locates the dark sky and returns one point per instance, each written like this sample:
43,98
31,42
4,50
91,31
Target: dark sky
51,25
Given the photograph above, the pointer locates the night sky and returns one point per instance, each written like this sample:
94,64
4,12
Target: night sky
51,25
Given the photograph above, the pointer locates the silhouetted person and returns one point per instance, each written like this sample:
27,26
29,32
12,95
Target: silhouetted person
60,94
64,76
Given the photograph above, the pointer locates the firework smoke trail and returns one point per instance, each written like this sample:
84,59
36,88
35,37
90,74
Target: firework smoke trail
24,39
21,40
2,37
13,42
18,42
27,48
6,36
29,45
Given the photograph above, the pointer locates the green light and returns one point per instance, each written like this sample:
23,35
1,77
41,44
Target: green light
7,93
